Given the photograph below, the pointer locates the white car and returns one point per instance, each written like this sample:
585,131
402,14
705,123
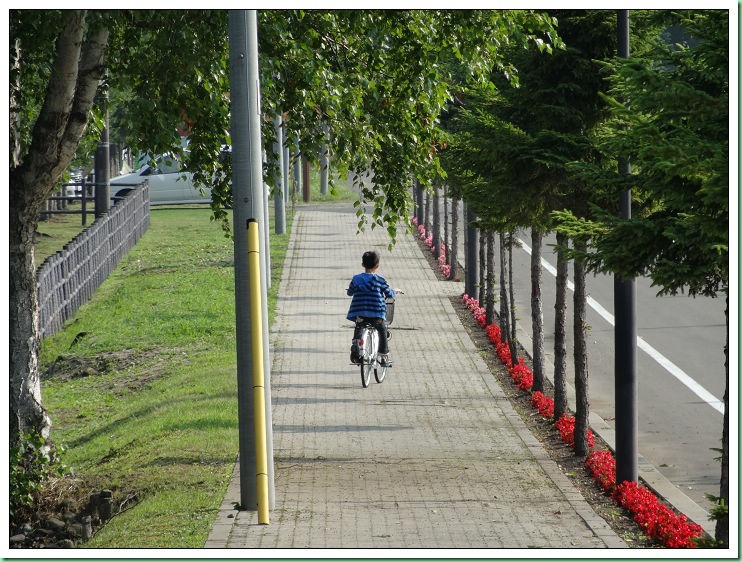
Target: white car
168,184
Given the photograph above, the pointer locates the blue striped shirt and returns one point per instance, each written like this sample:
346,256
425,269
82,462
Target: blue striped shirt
369,292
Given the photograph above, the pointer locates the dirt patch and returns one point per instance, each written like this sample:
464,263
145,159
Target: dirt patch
69,367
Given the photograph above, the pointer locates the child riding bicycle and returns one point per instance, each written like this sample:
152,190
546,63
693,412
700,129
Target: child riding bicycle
369,292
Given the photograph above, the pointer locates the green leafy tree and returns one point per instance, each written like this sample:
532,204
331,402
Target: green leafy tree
374,77
674,130
517,144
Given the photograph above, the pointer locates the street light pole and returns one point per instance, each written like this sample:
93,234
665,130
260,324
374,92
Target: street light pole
248,205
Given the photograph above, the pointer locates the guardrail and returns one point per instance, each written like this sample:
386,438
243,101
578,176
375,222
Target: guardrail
67,279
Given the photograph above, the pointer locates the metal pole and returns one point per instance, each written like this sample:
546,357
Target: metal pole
249,203
102,172
625,330
258,375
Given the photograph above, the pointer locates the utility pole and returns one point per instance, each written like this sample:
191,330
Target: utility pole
249,205
625,329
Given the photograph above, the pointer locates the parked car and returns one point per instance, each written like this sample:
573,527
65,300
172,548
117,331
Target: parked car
168,183
73,189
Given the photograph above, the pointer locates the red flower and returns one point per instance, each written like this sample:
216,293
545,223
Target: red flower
503,352
494,333
522,375
602,467
543,404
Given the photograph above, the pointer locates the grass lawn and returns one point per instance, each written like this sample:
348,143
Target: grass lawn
141,383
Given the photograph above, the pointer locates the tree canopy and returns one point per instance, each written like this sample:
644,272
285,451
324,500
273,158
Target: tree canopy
377,79
670,118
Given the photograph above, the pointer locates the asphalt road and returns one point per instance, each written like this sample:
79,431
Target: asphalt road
679,405
680,367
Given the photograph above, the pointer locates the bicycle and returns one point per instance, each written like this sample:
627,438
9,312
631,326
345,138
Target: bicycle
366,347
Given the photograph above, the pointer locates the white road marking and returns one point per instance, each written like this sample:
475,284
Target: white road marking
641,343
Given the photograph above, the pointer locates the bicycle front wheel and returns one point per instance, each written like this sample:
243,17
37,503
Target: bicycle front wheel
365,374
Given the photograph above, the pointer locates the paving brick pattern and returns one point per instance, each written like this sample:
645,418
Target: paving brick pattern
434,457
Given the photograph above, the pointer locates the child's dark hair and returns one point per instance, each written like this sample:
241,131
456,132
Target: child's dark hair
370,260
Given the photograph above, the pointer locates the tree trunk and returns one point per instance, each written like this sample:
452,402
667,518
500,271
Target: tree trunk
453,253
436,222
537,315
420,202
482,267
504,307
446,241
470,250
511,290
76,73
560,342
490,308
26,411
722,523
427,212
580,358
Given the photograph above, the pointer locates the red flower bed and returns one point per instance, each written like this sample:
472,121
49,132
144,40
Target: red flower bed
657,520
427,237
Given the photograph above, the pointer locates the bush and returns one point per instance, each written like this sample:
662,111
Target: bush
32,462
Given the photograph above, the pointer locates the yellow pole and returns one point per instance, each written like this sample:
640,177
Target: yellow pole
261,455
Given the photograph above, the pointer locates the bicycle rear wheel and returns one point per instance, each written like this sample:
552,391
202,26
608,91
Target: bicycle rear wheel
379,373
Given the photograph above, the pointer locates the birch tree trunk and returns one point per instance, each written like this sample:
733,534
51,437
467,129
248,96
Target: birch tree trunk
76,73
560,341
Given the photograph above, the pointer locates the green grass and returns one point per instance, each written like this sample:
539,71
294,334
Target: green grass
145,400
56,232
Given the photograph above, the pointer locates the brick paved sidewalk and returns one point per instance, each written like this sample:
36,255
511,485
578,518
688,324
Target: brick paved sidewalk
434,457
